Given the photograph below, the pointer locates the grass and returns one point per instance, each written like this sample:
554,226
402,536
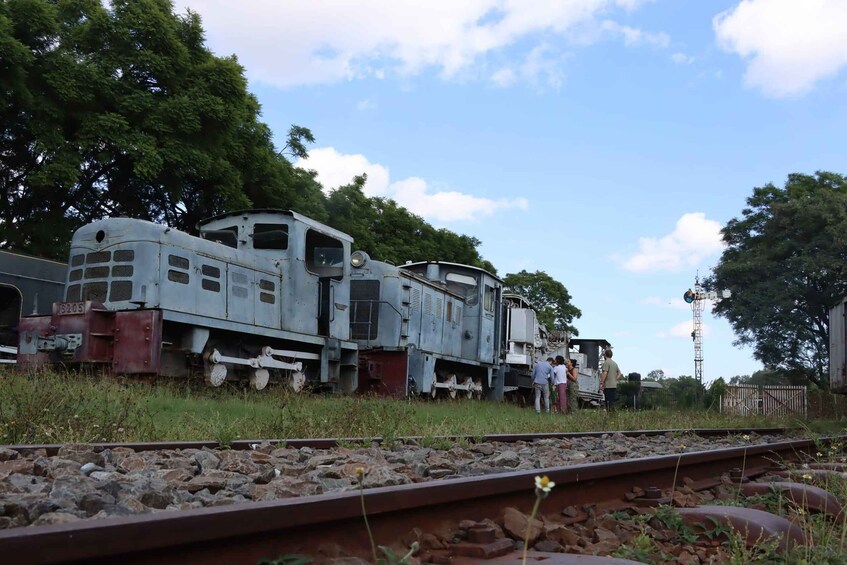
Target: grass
60,408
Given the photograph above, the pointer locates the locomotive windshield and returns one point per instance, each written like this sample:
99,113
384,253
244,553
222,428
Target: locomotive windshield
464,285
324,255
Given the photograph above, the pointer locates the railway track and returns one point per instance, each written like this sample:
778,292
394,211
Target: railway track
246,533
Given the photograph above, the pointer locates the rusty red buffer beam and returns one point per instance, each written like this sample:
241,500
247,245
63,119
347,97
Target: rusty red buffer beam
248,532
329,443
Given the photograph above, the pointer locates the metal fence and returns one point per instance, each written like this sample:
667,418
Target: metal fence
745,400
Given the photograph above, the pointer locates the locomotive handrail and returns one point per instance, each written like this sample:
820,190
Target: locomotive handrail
370,315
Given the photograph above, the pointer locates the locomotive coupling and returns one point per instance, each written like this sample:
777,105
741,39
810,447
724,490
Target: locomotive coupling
64,343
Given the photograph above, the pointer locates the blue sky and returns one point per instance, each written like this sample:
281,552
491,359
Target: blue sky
604,142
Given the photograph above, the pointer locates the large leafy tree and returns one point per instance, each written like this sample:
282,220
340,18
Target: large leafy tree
122,110
389,232
550,298
786,265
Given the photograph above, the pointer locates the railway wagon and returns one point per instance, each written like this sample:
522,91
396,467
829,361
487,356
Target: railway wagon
261,295
28,285
426,328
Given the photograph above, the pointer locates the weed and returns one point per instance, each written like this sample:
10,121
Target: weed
672,520
543,486
641,548
391,558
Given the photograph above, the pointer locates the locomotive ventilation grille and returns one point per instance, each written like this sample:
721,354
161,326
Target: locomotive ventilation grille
100,275
364,318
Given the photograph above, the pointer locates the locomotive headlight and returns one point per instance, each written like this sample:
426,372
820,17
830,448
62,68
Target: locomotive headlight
358,258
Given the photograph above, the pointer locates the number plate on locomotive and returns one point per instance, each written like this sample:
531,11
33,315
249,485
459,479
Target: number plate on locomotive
67,308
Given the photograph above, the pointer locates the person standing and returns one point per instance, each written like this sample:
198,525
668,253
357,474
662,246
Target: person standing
573,386
560,381
609,379
542,374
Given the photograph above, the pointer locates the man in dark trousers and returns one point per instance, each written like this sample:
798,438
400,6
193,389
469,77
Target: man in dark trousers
609,379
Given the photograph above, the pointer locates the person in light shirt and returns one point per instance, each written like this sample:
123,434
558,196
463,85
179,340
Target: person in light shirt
542,375
560,381
609,377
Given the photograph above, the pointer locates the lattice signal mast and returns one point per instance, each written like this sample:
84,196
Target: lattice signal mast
696,298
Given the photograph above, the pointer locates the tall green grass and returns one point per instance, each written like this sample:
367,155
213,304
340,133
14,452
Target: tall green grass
59,408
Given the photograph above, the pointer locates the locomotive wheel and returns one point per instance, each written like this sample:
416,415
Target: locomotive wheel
433,390
297,381
259,378
217,374
470,384
478,388
451,386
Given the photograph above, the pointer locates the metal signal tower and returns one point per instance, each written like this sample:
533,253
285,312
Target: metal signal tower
696,299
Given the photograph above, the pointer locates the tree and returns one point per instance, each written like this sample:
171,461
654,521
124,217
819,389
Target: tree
786,265
686,390
656,375
124,111
550,298
389,232
764,377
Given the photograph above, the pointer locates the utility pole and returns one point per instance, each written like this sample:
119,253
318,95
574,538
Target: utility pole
696,299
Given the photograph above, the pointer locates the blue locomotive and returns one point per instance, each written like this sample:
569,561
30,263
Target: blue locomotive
426,328
272,296
260,295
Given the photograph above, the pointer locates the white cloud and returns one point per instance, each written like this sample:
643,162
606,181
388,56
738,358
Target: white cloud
694,239
633,36
336,169
287,42
415,194
366,104
504,77
684,329
789,44
682,59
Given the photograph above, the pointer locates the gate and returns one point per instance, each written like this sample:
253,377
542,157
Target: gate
745,400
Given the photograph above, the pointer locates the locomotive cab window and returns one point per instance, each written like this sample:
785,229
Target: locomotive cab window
226,236
324,255
488,302
270,236
465,285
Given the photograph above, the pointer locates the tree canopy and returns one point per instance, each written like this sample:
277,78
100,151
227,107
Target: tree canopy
123,111
120,109
550,298
786,265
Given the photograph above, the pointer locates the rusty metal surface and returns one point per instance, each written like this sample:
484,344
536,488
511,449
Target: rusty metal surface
809,496
328,443
755,525
137,342
248,532
516,558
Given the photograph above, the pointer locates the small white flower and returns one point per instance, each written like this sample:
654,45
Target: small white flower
544,484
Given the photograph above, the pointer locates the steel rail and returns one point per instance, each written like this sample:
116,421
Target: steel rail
247,532
328,443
